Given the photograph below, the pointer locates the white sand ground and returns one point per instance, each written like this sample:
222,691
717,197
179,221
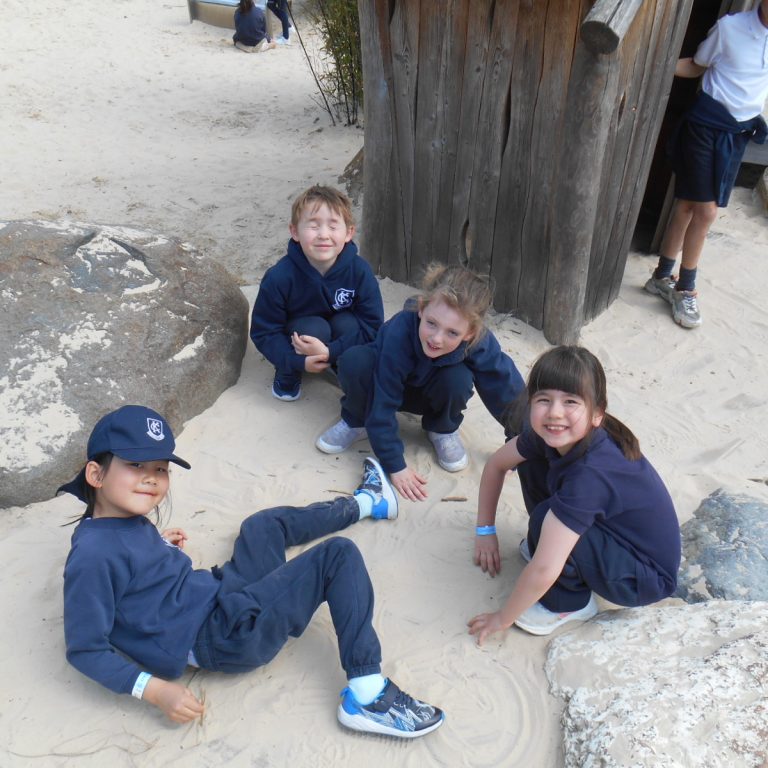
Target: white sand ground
125,113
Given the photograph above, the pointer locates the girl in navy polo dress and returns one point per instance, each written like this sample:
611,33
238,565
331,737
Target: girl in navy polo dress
600,518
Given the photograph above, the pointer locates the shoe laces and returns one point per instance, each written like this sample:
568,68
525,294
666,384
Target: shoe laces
371,476
689,302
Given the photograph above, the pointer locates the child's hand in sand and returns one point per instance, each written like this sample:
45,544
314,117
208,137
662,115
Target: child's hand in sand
175,536
308,345
410,484
487,554
485,625
175,700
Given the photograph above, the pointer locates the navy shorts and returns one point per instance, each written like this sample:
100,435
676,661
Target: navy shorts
694,164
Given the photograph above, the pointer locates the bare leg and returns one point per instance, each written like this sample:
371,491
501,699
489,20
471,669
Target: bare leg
703,215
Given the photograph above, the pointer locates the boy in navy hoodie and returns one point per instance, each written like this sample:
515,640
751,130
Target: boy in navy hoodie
320,299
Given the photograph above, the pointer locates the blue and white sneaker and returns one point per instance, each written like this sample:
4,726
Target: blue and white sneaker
376,485
286,387
393,713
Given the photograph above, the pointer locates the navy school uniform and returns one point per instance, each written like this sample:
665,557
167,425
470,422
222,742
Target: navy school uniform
251,27
133,602
629,550
342,308
393,374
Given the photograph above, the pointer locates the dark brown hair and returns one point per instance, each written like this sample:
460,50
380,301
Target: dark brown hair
577,371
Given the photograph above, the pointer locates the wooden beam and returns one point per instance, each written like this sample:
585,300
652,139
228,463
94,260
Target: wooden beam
607,23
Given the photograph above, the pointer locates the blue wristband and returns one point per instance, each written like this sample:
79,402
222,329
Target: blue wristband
486,530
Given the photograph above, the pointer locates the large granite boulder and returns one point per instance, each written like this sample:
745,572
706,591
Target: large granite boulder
96,317
668,686
725,548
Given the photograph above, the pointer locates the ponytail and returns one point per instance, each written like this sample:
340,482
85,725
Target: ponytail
623,436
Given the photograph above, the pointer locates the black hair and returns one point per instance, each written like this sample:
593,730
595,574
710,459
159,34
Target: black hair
245,6
577,371
104,460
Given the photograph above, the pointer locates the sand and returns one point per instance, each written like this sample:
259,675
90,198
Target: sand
127,114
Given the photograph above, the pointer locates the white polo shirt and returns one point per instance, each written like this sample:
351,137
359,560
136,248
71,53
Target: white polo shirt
736,56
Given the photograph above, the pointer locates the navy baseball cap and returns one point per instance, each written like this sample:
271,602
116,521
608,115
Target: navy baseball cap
132,433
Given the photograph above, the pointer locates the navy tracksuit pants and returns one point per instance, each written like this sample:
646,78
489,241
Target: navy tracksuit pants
264,600
440,401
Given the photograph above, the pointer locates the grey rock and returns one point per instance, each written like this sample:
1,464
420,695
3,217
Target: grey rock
725,549
95,317
667,686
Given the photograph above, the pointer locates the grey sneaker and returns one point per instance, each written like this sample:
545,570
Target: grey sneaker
661,286
451,454
685,309
339,437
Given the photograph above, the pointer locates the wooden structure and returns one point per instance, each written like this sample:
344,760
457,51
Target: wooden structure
218,13
514,137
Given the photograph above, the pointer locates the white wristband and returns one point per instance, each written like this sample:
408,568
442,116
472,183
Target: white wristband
140,684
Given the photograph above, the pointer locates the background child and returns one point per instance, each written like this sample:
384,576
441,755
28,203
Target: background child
600,518
425,360
128,588
320,299
250,27
710,145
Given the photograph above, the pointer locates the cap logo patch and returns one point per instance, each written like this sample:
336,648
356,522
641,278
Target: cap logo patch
155,429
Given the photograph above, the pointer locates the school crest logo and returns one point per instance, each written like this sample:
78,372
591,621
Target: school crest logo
343,298
155,429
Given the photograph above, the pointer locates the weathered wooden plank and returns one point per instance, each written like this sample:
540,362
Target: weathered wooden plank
428,140
404,36
590,102
466,141
382,219
543,156
450,94
607,23
491,134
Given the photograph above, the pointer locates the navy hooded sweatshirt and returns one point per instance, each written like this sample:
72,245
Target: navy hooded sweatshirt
293,288
401,363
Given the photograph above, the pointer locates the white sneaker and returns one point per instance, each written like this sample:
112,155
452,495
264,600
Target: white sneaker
451,454
282,40
339,437
538,620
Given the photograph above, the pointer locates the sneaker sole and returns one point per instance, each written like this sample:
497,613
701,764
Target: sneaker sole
363,725
684,322
286,398
540,631
455,466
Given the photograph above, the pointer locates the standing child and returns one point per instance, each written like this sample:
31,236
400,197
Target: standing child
425,360
709,147
136,613
600,518
320,299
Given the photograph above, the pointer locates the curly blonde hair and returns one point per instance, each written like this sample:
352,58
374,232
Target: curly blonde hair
462,290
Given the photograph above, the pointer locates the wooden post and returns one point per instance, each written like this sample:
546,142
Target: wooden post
589,105
607,23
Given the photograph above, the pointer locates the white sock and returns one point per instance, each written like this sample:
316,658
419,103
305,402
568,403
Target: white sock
367,688
365,502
